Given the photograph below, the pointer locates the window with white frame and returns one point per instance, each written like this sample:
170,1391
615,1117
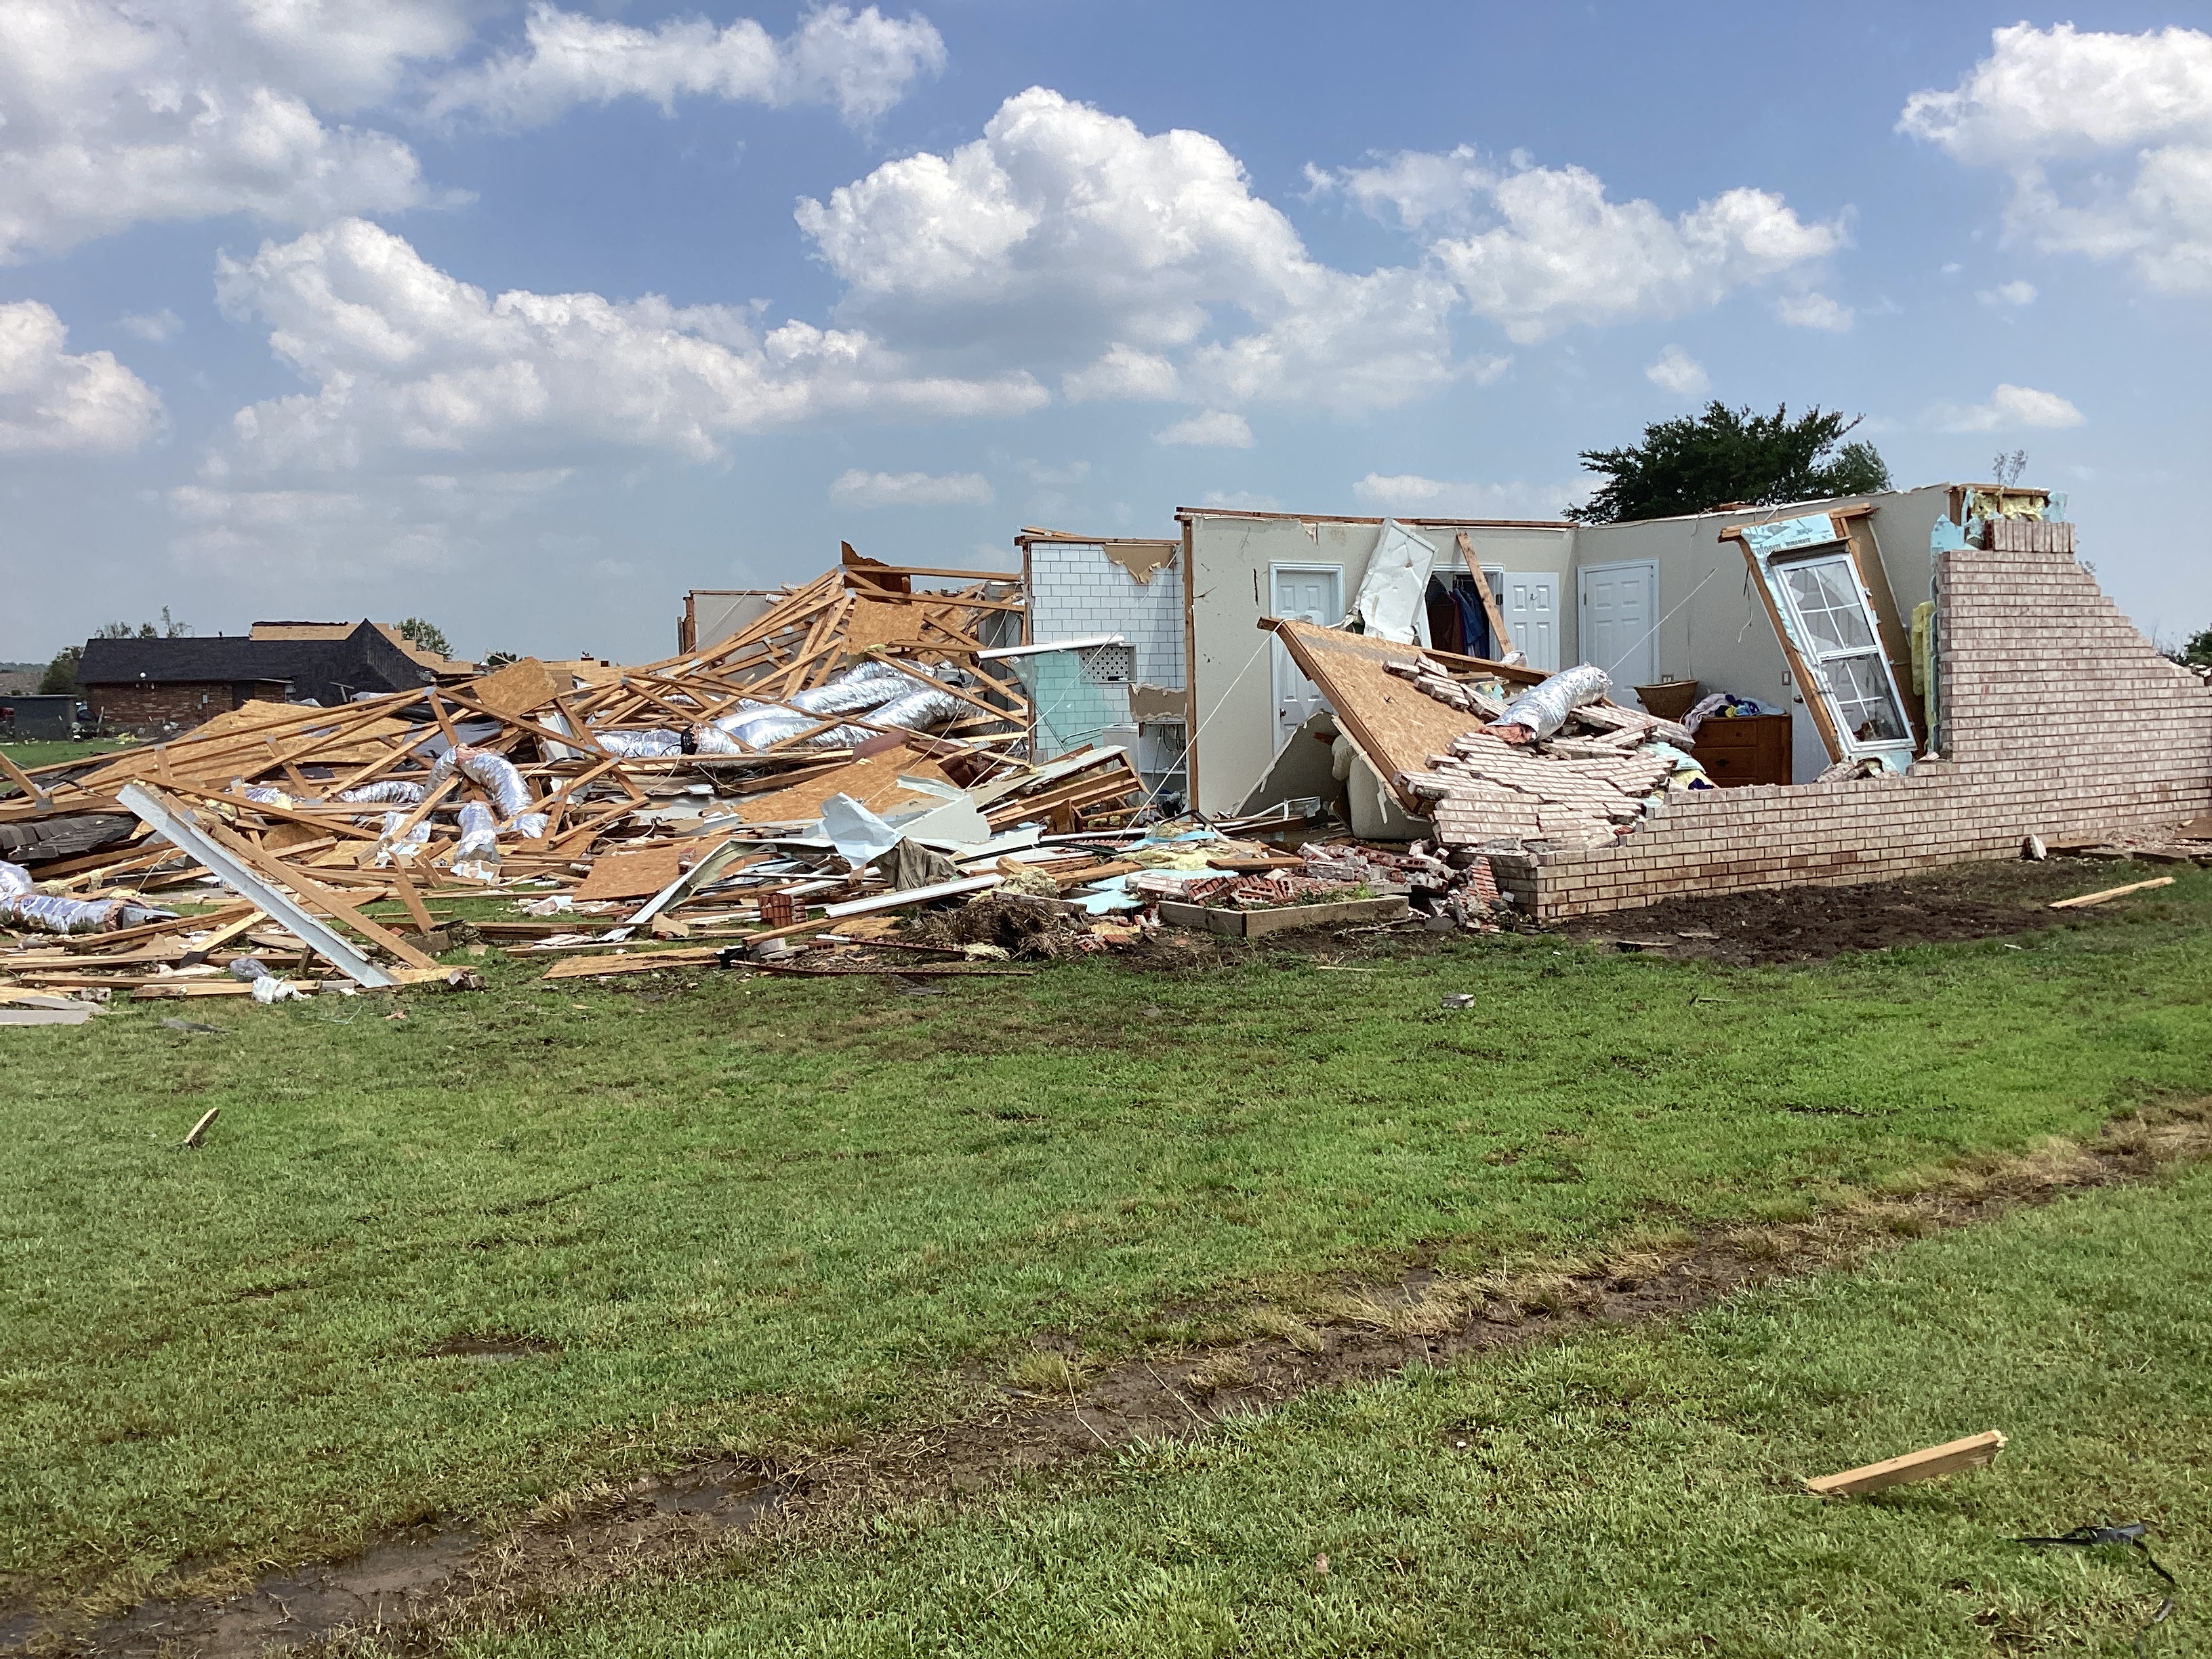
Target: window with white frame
1835,628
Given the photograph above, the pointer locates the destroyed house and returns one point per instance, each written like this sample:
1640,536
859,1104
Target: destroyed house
178,683
1912,678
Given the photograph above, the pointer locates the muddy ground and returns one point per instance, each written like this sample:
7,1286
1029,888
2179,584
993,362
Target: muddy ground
1811,924
1798,924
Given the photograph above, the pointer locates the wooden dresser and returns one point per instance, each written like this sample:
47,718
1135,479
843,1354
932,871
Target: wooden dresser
1749,749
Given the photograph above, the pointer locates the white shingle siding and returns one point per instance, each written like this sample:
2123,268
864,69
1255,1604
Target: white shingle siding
1076,592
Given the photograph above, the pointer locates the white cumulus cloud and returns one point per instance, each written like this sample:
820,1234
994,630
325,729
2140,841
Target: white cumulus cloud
1411,494
2009,293
1814,311
1219,428
1142,262
429,521
51,402
410,364
117,113
1678,373
2107,139
154,325
1123,373
855,488
2009,408
861,62
1544,248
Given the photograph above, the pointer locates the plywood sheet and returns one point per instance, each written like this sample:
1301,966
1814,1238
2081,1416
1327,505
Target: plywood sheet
874,622
873,783
635,875
521,686
1396,725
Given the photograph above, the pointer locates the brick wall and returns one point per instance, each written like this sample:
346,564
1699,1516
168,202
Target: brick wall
1076,592
2060,719
181,705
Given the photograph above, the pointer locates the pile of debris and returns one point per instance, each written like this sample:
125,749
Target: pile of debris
849,754
1557,763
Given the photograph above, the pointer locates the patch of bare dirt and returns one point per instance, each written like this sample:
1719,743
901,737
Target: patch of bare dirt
420,1590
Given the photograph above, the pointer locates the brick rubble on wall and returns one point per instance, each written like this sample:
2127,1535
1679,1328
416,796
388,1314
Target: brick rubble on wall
2060,719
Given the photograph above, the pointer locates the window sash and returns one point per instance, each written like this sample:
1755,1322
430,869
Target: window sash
1835,625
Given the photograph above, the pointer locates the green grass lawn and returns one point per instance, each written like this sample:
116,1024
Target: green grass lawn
1635,1493
28,755
770,1213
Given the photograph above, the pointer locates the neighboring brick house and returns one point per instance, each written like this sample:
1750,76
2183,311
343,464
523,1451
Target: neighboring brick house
445,667
175,684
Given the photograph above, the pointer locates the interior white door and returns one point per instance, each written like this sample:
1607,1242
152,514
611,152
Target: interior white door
1618,603
1532,617
1307,593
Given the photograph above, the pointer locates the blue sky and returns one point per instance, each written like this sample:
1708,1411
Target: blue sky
529,319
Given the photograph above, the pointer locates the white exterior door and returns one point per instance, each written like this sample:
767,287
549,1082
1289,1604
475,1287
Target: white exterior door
1619,603
1306,594
1532,617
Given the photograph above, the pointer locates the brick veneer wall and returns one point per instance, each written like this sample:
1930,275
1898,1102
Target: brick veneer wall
2060,719
184,703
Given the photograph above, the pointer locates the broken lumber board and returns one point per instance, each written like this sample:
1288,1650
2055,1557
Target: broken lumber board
174,824
1976,1451
221,936
413,901
1257,924
321,897
637,962
861,907
2110,893
23,780
81,943
208,988
891,972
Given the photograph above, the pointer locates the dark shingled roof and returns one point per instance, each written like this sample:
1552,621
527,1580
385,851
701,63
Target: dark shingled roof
329,671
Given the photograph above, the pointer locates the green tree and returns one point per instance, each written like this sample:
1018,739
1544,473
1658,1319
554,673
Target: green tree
167,628
1695,463
2199,648
428,634
60,679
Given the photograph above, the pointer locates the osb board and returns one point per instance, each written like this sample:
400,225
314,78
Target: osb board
635,875
873,783
874,622
1396,727
521,686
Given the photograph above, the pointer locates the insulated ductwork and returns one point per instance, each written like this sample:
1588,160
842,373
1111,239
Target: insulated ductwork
920,710
495,773
1542,709
853,692
655,745
22,905
392,793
